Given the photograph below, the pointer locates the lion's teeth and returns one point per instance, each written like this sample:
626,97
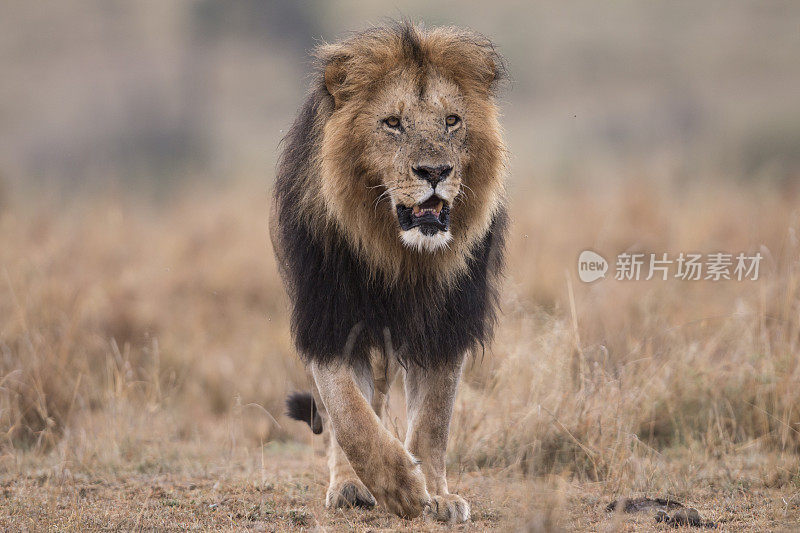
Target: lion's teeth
421,211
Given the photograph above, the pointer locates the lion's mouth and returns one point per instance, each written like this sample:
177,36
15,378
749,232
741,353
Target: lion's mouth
430,216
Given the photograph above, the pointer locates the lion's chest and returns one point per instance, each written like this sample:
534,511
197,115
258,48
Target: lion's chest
340,312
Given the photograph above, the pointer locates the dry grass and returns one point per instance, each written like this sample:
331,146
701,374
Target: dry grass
144,352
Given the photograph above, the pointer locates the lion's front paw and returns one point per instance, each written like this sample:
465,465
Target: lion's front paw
398,482
450,508
348,493
407,496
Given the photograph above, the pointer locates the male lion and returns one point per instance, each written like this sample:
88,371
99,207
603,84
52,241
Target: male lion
388,224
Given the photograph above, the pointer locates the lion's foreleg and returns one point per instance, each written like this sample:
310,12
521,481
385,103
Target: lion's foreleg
378,458
430,394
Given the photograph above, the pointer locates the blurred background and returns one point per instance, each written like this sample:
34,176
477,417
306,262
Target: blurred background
144,331
142,94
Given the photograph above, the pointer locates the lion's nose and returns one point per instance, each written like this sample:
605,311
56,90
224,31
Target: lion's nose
432,174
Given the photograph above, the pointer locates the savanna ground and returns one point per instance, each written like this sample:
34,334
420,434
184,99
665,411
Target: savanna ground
145,356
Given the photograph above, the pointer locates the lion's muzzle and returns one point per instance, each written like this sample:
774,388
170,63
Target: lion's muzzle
432,174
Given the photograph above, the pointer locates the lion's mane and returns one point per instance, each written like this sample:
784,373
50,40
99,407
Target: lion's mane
354,287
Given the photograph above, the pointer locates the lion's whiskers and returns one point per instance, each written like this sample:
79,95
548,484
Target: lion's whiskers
385,193
468,188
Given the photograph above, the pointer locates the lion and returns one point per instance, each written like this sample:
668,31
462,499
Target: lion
388,222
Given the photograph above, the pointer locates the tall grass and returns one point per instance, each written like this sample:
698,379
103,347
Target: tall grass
123,323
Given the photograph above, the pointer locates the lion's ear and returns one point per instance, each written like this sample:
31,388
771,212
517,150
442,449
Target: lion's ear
335,76
470,58
494,68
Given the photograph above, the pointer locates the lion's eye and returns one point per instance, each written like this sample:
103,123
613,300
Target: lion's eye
452,120
392,122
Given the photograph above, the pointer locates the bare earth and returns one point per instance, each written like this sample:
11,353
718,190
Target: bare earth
287,494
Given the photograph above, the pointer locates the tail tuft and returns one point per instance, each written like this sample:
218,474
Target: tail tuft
302,407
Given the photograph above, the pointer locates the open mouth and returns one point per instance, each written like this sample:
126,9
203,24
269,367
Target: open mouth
430,216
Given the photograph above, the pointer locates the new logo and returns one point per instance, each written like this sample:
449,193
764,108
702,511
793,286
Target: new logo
591,266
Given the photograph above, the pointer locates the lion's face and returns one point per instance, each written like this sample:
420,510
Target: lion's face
416,144
411,153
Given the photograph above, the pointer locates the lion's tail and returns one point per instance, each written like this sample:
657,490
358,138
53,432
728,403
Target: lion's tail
302,407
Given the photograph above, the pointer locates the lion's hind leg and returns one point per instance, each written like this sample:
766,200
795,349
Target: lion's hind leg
384,371
345,488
